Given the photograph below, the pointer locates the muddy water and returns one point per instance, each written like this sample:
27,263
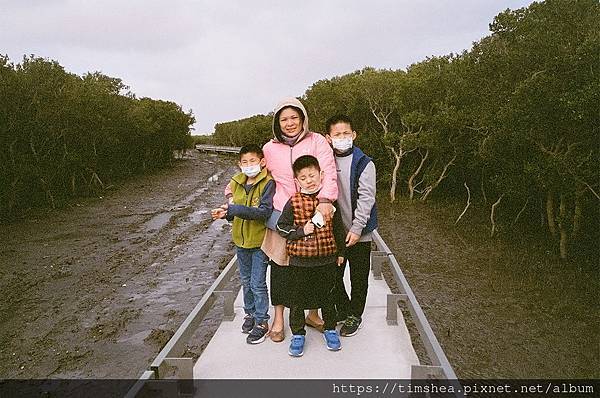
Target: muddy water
97,289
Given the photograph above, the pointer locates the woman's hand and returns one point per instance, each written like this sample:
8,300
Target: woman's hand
326,209
341,261
309,228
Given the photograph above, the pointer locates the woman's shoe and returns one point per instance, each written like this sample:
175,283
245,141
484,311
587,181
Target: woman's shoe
277,336
313,324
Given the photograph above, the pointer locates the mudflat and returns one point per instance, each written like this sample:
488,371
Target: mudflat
503,307
94,290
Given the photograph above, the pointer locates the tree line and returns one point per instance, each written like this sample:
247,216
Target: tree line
64,135
513,122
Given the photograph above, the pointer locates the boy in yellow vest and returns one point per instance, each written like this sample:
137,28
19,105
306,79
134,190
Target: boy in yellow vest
250,206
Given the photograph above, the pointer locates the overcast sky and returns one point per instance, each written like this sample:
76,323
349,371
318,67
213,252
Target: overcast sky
227,60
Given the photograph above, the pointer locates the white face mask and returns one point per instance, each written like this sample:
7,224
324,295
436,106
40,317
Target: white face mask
341,144
317,189
251,171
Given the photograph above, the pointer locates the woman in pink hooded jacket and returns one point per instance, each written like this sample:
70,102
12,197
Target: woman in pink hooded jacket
292,139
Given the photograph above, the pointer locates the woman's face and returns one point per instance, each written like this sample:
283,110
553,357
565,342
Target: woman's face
290,122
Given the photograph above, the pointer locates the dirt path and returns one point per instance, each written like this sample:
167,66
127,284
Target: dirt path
96,289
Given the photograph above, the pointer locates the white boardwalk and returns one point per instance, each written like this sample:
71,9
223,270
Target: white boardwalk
377,351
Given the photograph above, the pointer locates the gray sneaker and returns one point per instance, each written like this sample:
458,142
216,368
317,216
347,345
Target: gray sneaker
350,326
248,324
258,333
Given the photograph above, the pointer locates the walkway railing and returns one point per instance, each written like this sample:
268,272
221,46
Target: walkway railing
216,148
441,368
170,356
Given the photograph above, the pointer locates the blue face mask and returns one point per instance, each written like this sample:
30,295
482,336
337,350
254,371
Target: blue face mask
251,171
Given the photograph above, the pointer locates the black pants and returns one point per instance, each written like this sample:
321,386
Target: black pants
280,284
359,259
297,319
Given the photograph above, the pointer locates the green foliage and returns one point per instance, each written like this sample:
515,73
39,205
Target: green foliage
63,135
256,129
202,140
515,118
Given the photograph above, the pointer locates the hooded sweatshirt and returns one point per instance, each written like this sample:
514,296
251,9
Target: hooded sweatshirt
280,157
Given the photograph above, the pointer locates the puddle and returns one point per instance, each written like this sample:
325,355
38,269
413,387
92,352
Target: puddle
199,216
137,338
194,195
218,225
157,222
160,220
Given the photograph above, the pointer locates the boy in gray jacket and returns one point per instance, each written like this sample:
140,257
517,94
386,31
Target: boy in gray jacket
356,202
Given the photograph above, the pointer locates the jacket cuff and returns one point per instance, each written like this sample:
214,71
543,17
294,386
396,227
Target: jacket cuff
356,230
324,200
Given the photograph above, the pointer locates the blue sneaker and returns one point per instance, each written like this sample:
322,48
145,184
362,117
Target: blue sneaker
332,339
297,345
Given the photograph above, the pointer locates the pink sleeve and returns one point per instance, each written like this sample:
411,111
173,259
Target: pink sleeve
324,154
228,192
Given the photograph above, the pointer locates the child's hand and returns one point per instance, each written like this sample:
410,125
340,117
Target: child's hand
309,228
341,261
218,213
326,209
351,239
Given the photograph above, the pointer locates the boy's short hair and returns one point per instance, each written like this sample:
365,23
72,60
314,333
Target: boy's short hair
335,119
251,148
303,162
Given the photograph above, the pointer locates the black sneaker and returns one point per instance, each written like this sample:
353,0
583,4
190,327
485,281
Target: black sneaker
248,324
340,317
258,333
350,326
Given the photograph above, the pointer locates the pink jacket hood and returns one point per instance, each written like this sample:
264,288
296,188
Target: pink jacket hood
289,101
280,157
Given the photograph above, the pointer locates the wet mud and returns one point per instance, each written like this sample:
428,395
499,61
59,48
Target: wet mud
501,308
97,289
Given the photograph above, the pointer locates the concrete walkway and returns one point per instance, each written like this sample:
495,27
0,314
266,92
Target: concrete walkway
377,351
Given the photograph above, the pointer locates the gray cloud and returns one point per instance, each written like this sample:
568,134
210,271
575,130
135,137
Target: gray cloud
228,60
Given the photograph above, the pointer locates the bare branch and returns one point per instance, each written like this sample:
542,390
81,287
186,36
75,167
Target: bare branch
398,156
586,184
550,213
442,176
411,186
554,153
468,203
482,186
382,121
520,212
562,219
492,214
